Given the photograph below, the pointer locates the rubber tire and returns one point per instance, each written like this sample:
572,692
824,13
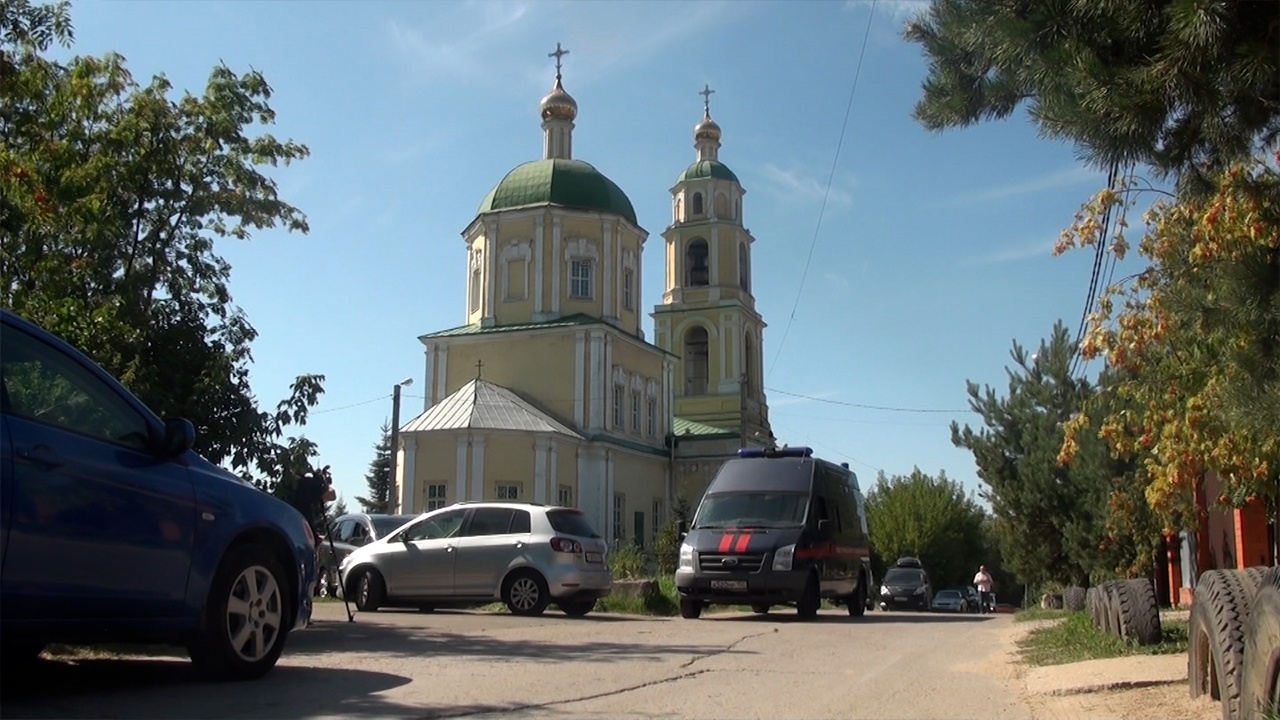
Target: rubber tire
1073,598
1216,636
523,581
1111,608
857,605
212,651
810,600
426,608
577,608
327,585
1091,604
370,590
760,609
1260,684
690,609
1139,612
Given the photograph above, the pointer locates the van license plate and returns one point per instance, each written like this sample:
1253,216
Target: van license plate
594,557
728,584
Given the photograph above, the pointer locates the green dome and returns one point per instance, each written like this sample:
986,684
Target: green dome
707,169
568,183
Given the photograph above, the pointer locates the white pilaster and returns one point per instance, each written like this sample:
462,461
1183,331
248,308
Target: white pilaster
595,398
477,467
540,469
428,381
538,263
490,277
555,470
556,263
609,490
608,258
460,473
408,474
579,379
715,254
442,361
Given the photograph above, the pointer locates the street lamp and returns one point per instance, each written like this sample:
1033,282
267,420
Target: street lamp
395,436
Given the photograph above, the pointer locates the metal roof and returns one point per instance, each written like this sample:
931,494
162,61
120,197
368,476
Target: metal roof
558,181
684,427
481,405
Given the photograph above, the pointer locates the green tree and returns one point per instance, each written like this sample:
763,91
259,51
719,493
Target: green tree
112,196
379,478
926,517
1048,517
1182,86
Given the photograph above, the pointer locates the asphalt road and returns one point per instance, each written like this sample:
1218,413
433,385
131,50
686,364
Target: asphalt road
477,664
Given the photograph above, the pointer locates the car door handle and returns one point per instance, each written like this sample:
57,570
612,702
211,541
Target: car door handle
448,548
41,455
519,544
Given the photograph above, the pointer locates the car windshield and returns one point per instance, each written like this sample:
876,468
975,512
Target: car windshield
948,595
384,525
904,576
751,510
571,522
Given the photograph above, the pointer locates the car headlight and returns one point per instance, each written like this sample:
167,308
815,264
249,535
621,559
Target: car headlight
920,590
686,557
884,590
783,557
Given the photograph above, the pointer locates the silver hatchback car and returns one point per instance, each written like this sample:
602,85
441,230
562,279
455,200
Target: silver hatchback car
526,555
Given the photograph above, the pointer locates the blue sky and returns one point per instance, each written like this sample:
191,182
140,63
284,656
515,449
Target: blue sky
933,254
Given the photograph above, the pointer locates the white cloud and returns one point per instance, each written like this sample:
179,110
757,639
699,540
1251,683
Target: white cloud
445,54
1014,253
793,186
838,282
1069,177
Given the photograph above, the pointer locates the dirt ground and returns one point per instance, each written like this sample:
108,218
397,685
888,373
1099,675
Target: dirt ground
1167,700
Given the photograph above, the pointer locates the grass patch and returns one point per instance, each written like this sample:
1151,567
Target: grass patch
664,603
110,651
1075,639
1039,613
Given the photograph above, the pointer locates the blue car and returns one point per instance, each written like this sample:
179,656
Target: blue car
112,529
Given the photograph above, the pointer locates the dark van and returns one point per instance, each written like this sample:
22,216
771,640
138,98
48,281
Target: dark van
777,527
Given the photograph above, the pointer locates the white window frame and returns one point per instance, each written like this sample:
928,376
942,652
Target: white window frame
564,495
635,411
653,417
619,518
508,491
580,285
628,289
619,411
437,496
656,521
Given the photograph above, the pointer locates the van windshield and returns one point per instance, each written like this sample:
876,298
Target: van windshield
751,510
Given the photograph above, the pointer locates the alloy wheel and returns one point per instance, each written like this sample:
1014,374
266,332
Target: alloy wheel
254,613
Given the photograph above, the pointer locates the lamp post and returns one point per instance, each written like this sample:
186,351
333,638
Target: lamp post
395,438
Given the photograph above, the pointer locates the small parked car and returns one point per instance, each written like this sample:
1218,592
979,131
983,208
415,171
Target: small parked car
347,533
112,529
949,601
906,585
975,600
524,554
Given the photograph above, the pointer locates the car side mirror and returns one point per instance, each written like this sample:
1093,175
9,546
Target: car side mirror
824,527
179,436
682,529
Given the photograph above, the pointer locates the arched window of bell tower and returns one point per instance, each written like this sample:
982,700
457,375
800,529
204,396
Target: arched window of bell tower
749,362
695,361
679,209
744,269
697,271
697,204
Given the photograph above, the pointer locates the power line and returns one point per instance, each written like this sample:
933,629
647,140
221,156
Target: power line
865,407
826,194
346,407
1076,364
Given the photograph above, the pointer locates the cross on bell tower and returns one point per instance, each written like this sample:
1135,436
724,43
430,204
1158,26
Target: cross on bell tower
706,94
559,53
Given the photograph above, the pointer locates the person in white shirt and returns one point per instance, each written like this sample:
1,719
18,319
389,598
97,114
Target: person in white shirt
983,581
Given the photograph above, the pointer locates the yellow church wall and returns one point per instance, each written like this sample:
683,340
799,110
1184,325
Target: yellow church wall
518,361
641,480
509,461
435,463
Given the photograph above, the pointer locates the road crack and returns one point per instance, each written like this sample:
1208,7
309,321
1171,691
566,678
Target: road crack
727,648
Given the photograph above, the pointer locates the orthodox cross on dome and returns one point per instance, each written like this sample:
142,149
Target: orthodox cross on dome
479,368
559,53
706,94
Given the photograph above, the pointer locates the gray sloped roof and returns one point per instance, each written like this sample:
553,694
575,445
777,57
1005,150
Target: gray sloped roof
481,405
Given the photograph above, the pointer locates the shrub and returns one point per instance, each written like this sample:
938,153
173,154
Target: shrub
627,562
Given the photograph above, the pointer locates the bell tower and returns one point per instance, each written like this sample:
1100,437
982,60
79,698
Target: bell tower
708,315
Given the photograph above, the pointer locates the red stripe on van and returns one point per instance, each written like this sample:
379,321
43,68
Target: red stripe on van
726,542
743,541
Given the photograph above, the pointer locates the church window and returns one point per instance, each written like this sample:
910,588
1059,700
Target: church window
695,361
657,520
436,496
475,289
564,497
696,206
722,206
744,272
679,209
517,278
628,288
696,263
619,398
508,491
619,512
653,417
580,279
635,411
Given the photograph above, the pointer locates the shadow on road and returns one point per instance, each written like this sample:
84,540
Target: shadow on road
786,615
171,688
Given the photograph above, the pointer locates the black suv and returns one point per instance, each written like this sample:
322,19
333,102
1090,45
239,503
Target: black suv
906,585
349,532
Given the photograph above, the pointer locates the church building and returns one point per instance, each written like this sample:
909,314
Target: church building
550,392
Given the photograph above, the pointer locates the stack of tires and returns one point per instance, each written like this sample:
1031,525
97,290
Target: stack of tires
1126,609
1234,633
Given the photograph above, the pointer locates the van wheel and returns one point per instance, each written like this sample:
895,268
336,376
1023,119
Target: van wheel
760,609
810,600
857,605
690,609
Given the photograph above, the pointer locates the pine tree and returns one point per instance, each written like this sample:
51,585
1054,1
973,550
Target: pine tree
1178,86
379,478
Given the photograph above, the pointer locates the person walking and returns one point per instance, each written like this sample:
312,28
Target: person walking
983,581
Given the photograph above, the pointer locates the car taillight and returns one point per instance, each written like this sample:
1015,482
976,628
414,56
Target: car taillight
565,545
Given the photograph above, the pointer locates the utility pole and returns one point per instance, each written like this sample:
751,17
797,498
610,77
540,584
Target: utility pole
395,442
